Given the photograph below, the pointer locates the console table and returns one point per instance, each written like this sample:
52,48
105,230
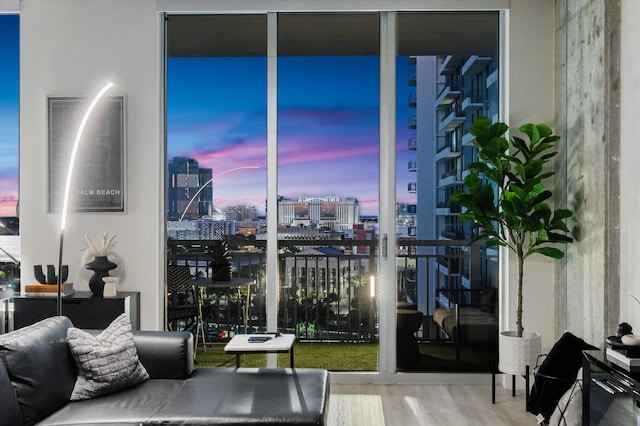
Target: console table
610,394
84,310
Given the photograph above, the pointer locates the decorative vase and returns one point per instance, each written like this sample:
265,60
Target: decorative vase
515,353
110,289
51,277
100,267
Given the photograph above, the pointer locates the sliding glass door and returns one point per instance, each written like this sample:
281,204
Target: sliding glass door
328,184
329,143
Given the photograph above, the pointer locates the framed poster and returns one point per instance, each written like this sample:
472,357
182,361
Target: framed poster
98,183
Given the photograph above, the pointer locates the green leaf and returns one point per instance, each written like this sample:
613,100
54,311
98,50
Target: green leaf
559,238
531,131
560,214
548,251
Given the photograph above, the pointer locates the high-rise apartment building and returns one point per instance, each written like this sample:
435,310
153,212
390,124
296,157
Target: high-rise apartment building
450,93
185,179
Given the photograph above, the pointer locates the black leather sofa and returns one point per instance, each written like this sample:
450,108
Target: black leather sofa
38,372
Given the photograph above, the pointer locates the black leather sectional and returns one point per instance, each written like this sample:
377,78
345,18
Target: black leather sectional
37,375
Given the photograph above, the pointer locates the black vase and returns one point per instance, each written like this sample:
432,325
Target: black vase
100,267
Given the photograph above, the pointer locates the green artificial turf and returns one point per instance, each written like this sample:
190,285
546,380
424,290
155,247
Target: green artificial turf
330,356
351,357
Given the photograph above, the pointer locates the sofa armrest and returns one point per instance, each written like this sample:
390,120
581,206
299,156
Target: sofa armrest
165,354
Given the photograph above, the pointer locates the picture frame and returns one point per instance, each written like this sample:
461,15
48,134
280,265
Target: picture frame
98,183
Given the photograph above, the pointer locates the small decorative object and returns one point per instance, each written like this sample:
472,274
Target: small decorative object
630,340
51,277
109,286
221,263
37,272
623,329
100,265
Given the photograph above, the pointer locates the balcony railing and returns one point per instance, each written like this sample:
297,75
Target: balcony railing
412,143
412,101
324,288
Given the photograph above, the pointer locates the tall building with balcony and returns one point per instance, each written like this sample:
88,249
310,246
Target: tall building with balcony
450,93
185,179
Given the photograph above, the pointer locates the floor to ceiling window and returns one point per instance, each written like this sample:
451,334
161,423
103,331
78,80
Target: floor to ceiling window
328,161
321,109
447,77
9,146
216,171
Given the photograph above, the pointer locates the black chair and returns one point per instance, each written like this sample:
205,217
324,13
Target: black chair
184,307
556,375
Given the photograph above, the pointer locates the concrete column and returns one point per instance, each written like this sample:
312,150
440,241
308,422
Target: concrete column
587,115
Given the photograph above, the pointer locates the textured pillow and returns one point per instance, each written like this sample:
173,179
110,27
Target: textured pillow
106,362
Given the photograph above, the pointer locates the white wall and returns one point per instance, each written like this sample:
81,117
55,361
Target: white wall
629,158
72,47
530,100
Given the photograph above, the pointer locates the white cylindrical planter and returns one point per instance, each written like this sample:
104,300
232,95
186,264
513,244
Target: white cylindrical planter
515,353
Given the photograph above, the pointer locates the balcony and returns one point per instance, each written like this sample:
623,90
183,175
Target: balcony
471,104
450,178
475,64
412,143
452,235
451,122
412,122
412,166
411,60
325,284
446,97
448,208
467,139
412,101
411,79
448,151
412,187
492,78
450,64
323,305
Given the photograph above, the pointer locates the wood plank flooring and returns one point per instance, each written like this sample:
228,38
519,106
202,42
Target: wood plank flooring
400,405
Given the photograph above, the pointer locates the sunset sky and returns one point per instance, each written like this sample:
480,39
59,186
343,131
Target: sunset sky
9,91
328,120
328,126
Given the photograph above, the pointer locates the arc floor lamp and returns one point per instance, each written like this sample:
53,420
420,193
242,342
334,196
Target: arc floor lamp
65,200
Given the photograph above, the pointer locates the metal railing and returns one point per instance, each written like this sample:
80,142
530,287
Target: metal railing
325,292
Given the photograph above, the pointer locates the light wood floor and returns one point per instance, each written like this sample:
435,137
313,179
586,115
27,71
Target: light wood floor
400,405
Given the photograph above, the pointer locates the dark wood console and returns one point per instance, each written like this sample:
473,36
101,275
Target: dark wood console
84,310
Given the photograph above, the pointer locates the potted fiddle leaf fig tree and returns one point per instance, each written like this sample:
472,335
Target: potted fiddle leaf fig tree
506,199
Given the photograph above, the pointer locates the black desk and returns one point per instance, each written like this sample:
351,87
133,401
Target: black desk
84,310
610,394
